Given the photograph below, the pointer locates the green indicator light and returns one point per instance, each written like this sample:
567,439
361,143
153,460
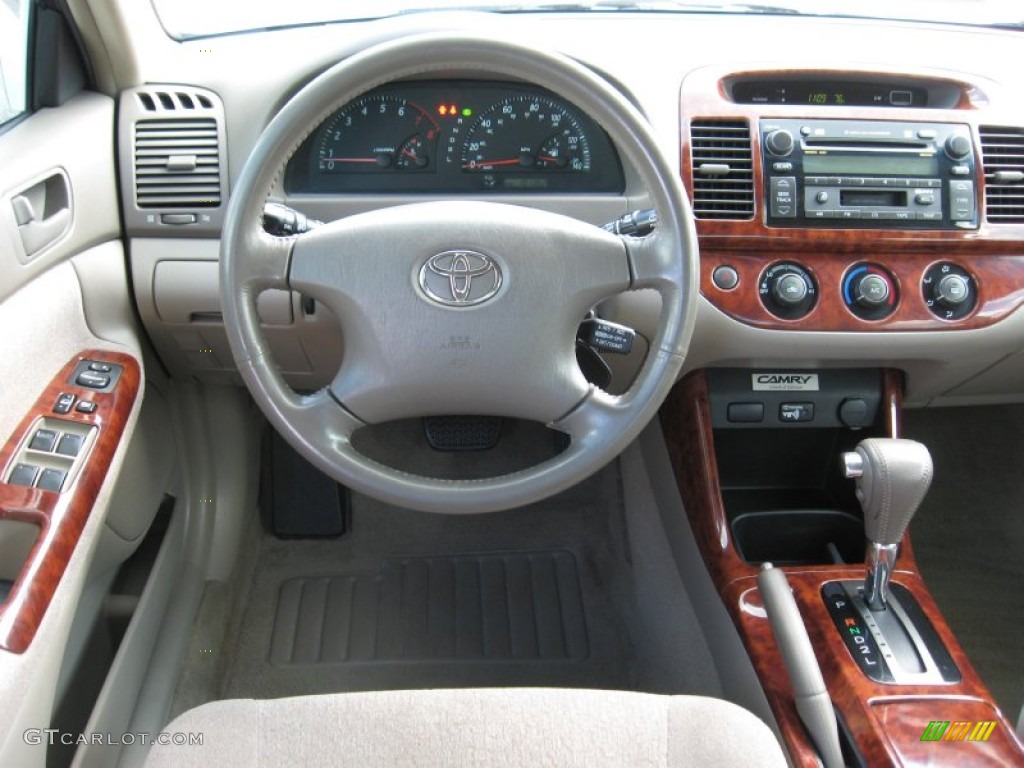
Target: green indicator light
466,112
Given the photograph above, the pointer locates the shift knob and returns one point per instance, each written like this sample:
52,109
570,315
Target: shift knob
893,476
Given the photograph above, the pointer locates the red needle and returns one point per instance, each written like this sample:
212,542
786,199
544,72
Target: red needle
481,163
547,158
407,153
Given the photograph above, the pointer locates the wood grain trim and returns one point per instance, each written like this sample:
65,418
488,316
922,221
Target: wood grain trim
883,731
703,97
999,279
61,516
883,736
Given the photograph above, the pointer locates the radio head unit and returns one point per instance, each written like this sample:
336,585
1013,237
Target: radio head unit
868,174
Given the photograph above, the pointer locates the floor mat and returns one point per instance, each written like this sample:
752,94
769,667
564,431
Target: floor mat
511,606
534,596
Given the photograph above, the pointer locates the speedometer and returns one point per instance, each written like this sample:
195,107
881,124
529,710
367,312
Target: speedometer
526,133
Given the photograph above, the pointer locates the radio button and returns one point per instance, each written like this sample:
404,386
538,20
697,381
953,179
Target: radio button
782,167
904,215
961,203
930,216
818,214
960,170
855,181
822,197
927,133
834,181
816,180
782,204
929,183
924,198
847,214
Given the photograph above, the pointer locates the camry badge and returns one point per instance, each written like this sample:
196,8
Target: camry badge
460,278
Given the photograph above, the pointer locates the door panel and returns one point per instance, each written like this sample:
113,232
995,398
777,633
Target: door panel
59,233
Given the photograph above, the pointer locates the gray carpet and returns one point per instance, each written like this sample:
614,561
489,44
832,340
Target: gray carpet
556,613
969,536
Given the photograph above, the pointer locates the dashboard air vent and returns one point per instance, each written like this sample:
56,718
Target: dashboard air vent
177,163
1002,151
723,173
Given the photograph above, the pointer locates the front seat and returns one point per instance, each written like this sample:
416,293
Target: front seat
480,727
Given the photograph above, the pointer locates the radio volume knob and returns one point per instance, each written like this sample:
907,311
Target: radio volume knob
779,142
958,146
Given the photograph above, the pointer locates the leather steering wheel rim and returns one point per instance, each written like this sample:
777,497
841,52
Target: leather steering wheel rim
320,425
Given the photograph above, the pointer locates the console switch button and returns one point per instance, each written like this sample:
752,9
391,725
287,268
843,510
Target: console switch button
92,379
794,412
64,402
70,445
745,413
23,474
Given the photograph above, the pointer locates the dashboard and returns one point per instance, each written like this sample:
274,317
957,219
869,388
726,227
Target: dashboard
456,137
874,266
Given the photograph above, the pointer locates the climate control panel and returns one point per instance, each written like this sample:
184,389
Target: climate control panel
905,293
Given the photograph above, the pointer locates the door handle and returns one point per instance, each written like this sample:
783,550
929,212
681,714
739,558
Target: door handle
43,212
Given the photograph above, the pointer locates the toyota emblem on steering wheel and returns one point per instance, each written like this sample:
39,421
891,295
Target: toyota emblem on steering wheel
460,278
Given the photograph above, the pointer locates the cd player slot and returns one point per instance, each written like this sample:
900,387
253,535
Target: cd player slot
875,198
841,145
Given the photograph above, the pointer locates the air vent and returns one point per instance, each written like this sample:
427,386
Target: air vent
1002,151
177,163
172,101
723,173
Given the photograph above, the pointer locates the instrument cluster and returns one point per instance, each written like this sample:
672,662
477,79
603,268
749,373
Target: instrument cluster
456,137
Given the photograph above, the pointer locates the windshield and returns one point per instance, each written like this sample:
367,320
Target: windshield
185,19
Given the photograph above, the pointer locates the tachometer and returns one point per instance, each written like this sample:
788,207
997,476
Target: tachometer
376,133
526,133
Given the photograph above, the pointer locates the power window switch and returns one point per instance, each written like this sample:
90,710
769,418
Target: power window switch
23,474
51,479
43,440
70,445
64,402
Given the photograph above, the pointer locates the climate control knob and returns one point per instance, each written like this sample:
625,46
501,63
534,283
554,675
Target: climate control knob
779,142
787,290
949,291
952,291
869,291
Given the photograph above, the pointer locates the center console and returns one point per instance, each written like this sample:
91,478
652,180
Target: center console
758,458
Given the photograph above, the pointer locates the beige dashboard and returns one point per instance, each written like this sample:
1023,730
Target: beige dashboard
678,72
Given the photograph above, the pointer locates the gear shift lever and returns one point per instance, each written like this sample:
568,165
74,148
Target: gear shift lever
892,476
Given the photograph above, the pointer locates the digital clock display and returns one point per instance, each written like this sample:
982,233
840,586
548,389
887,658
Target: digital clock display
830,93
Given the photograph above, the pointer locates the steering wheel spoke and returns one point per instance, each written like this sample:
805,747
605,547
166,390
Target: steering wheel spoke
652,262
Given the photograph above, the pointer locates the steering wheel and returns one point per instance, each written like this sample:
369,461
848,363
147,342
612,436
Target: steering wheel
458,307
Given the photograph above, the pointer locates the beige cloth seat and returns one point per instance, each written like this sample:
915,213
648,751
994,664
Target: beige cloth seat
484,727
